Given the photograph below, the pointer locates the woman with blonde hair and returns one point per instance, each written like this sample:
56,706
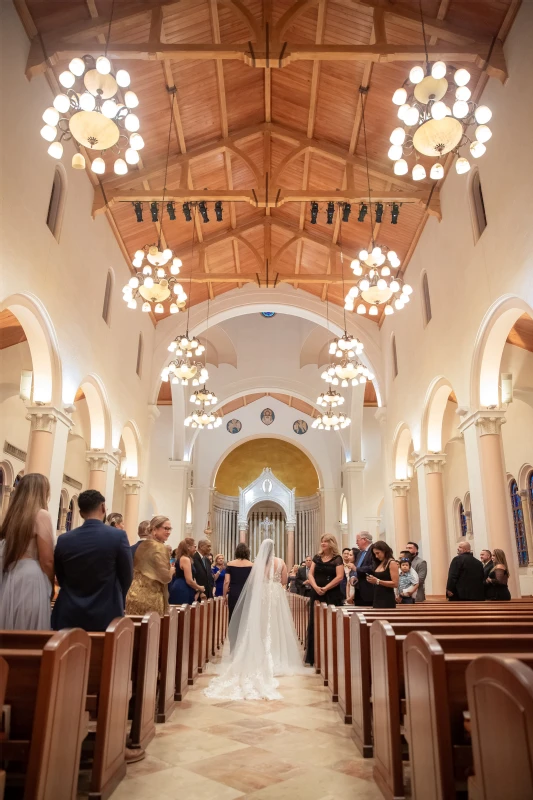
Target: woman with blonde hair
184,587
27,557
219,573
325,576
496,583
152,571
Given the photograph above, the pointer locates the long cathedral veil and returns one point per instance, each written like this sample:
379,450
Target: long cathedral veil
247,669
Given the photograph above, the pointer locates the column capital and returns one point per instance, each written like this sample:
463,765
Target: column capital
290,527
488,421
400,488
44,418
353,466
132,485
432,462
99,459
181,466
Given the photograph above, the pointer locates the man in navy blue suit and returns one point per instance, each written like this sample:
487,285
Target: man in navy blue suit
94,569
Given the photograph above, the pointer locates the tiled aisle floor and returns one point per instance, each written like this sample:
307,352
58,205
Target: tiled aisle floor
295,748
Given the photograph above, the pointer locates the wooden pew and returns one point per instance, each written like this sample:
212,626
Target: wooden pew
202,636
166,699
323,643
108,696
436,699
210,610
360,658
344,669
500,698
194,643
332,636
4,672
181,682
316,643
46,690
144,673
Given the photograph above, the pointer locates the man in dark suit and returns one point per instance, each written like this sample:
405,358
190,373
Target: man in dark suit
488,564
142,533
94,570
202,567
365,564
303,586
421,568
465,577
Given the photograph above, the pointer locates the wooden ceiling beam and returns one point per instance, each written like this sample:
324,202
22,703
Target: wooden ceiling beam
274,55
274,277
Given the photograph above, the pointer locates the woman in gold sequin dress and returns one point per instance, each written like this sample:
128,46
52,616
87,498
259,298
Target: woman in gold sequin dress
152,572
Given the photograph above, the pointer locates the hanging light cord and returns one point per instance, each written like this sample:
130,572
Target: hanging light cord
195,211
424,35
166,169
368,177
108,37
342,275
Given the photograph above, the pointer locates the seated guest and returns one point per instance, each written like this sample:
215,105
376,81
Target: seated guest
465,576
184,587
94,570
142,533
237,572
219,573
496,583
384,577
27,557
152,573
407,583
116,520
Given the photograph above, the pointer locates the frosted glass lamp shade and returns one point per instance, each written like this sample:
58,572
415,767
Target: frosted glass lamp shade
397,136
62,103
483,133
77,66
461,77
401,167
416,75
395,152
78,161
123,78
131,99
438,70
98,166
419,172
462,165
55,150
103,65
67,79
483,114
399,97
437,172
51,116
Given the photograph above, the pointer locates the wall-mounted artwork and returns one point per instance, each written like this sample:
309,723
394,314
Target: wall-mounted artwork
234,426
267,416
300,426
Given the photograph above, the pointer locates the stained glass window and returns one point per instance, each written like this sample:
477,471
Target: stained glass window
268,314
462,520
70,514
519,527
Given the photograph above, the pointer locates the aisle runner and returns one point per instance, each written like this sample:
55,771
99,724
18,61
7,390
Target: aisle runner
293,749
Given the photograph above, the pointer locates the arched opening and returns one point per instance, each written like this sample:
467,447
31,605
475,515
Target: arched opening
56,204
426,299
518,523
71,514
462,527
402,468
477,205
344,511
188,513
106,308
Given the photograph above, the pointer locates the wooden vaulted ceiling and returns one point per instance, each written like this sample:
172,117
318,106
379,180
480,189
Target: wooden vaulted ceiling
267,117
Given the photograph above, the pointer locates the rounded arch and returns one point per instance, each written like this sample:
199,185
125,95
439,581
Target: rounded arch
434,407
132,444
43,344
99,412
344,510
523,476
488,349
401,447
234,446
9,473
189,510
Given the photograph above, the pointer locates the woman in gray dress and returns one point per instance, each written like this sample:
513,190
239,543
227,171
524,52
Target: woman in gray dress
27,557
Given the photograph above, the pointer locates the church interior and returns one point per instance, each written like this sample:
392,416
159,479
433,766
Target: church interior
243,287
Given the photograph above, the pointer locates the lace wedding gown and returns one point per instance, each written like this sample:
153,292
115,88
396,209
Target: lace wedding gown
263,640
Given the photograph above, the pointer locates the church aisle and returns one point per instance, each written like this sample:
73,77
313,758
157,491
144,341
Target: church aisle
291,749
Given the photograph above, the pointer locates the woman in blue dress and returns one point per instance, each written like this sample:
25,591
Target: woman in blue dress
219,573
184,588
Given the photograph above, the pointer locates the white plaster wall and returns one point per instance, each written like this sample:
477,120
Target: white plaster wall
373,479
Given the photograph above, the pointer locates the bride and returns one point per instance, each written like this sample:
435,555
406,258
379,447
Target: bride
261,634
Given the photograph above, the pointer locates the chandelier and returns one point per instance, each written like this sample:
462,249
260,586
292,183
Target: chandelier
203,396
331,399
184,371
346,372
436,109
203,419
331,421
92,112
185,345
378,282
346,346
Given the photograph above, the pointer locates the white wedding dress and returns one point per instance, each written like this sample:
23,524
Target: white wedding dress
263,640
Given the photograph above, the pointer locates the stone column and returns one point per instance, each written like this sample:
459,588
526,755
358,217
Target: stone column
132,488
489,496
47,447
243,532
353,487
100,464
433,521
178,513
344,536
6,496
528,524
289,528
401,513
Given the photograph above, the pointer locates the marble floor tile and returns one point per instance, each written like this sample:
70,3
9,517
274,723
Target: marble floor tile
318,784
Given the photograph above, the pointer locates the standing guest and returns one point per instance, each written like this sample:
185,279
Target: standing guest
345,553
202,567
303,586
184,587
407,583
219,573
152,572
465,576
94,570
291,580
142,533
160,529
325,577
496,582
350,574
27,557
485,557
421,568
385,576
116,520
237,573
365,565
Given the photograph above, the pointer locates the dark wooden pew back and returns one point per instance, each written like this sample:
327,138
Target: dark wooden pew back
144,674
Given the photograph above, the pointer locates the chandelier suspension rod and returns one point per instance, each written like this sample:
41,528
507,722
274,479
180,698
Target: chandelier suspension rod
195,212
363,104
424,36
342,274
108,37
173,92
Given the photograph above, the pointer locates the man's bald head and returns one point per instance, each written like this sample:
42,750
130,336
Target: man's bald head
463,547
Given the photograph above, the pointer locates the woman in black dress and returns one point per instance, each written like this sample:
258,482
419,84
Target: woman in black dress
496,583
325,576
237,573
384,577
